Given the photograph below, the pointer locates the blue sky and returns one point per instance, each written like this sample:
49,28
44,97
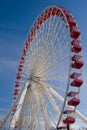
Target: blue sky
16,17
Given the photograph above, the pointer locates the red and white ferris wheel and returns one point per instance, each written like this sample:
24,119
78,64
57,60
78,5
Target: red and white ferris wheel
49,76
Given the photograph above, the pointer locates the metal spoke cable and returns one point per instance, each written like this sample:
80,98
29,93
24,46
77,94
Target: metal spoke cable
48,124
51,76
53,61
53,66
59,88
55,106
46,49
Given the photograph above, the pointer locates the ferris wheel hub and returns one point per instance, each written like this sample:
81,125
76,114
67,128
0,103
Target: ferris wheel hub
35,79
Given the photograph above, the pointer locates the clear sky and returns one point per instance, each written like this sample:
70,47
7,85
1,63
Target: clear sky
16,17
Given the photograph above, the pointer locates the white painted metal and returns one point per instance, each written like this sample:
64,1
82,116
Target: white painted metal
19,106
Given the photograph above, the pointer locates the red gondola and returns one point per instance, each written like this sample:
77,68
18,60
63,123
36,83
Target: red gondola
75,33
54,11
75,42
76,48
68,111
17,84
68,15
76,57
20,68
48,14
74,102
22,60
72,22
24,52
30,39
16,93
69,120
77,64
72,94
27,45
77,82
44,16
19,76
75,75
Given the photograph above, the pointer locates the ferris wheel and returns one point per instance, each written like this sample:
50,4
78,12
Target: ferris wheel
49,77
